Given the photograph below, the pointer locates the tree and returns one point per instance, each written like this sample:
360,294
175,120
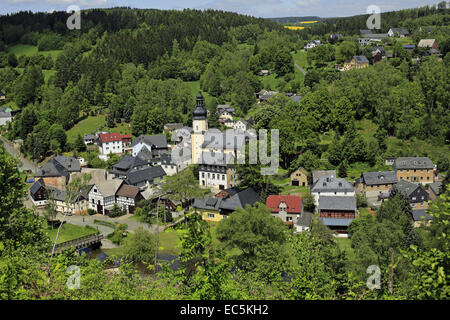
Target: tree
342,169
252,230
80,146
182,186
12,60
50,211
140,246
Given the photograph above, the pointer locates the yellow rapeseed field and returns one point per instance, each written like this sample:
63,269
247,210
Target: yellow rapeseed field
294,28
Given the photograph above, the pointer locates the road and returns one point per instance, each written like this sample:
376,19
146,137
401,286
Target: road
12,150
300,68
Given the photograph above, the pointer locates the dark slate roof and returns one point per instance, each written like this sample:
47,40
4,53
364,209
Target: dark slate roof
327,184
413,163
147,174
5,114
89,137
129,162
361,59
381,177
418,214
232,191
145,154
365,31
409,46
216,159
435,187
53,168
305,219
58,194
340,222
378,35
158,141
406,187
238,200
70,163
36,186
400,31
337,203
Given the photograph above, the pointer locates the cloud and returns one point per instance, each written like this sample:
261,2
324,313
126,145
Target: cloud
306,3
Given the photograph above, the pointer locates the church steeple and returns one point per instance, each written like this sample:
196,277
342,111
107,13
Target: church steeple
200,110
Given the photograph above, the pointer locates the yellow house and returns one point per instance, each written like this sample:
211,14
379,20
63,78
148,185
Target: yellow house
357,62
299,177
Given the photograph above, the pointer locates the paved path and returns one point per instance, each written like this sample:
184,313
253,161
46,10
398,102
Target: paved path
12,150
300,68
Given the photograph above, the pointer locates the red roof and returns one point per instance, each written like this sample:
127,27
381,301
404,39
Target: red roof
109,137
293,203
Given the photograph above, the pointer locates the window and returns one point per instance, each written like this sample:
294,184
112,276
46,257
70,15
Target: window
223,177
211,215
288,218
414,198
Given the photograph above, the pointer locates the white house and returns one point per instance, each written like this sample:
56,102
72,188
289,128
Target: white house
102,194
5,116
156,144
241,125
110,143
330,186
216,170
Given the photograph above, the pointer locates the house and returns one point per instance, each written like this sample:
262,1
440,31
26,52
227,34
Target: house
372,184
225,114
357,62
128,197
57,171
112,143
216,170
265,95
126,143
434,190
170,167
6,115
328,186
420,217
264,73
155,144
2,95
102,194
90,138
304,222
316,174
363,42
229,123
389,161
79,205
417,196
414,169
312,44
337,212
215,209
38,193
401,32
145,178
378,53
287,208
127,164
299,177
241,125
377,37
428,43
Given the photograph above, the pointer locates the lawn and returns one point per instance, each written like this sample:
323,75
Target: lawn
69,232
86,126
300,59
27,50
345,244
283,180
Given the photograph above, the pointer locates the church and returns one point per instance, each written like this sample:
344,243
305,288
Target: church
214,151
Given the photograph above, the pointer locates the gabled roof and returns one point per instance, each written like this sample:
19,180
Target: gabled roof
53,168
89,137
37,186
337,203
361,59
400,31
129,162
420,214
376,178
158,141
327,184
423,43
147,174
293,203
305,219
238,200
128,191
435,187
145,154
406,187
110,137
70,163
413,163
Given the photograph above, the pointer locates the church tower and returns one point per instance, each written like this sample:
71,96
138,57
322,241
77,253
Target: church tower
199,127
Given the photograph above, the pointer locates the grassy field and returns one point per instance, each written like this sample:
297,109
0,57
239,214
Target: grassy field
300,59
28,50
345,245
69,232
282,179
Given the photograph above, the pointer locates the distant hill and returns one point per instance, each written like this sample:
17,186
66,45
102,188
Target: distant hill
295,19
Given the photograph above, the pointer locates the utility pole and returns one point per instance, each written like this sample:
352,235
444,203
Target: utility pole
157,232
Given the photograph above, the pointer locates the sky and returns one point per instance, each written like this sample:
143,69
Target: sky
257,8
